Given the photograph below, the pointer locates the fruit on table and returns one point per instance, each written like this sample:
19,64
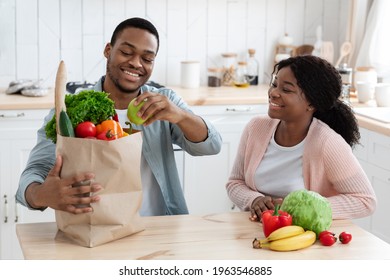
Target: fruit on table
345,237
322,233
285,232
132,111
327,238
288,238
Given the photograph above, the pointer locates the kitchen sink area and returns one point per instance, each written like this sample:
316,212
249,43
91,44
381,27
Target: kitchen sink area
381,114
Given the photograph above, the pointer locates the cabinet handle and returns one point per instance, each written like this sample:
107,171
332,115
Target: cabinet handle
5,209
247,109
16,211
11,115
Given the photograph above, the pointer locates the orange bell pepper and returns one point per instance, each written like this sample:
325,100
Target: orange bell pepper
112,126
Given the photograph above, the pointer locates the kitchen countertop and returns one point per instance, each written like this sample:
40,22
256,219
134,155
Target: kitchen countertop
194,97
226,236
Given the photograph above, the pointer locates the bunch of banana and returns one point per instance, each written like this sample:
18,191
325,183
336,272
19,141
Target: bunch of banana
288,238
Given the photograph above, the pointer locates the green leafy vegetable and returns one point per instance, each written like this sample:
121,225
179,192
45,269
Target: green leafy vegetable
309,210
87,105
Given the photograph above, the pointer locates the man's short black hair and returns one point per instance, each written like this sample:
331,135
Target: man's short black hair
135,22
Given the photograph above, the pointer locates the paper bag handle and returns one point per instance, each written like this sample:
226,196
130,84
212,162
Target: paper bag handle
59,92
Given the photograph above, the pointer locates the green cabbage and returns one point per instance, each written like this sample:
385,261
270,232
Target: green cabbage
309,210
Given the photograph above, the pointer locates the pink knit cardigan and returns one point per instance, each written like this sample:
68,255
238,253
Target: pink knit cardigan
329,168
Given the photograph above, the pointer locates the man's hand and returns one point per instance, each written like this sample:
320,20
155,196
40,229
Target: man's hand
60,194
159,107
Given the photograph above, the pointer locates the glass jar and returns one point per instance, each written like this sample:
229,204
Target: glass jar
229,68
346,74
240,78
346,78
252,68
214,77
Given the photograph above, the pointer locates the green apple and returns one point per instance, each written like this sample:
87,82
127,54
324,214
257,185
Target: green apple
132,112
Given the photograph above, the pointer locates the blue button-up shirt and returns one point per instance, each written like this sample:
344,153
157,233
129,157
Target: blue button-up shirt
157,150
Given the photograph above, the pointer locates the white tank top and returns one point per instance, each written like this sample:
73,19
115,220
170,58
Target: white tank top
152,200
280,171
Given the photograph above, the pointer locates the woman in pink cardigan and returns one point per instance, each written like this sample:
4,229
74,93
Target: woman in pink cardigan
304,143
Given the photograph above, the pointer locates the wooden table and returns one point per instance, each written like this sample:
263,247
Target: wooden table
226,236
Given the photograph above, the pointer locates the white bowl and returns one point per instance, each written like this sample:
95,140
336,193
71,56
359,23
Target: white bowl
382,94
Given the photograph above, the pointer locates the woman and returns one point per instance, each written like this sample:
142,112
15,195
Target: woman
304,143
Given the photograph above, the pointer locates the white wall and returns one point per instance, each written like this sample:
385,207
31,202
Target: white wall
36,34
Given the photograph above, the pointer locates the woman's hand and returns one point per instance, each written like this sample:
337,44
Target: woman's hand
261,204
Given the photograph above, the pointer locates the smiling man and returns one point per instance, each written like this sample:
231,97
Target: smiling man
130,57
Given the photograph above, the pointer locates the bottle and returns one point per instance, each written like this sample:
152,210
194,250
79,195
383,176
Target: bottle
240,77
252,68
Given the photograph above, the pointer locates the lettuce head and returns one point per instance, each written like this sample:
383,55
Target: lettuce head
309,210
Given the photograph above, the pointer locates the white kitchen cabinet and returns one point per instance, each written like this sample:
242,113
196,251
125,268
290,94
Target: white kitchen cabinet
205,177
18,130
374,155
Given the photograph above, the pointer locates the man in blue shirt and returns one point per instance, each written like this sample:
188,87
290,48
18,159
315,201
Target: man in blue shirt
130,59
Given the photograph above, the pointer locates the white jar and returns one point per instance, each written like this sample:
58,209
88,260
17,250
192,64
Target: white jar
365,74
190,74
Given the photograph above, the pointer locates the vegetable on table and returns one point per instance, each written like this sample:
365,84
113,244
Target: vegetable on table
274,219
309,210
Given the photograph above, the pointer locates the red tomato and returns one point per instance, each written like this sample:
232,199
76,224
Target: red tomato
328,239
322,233
85,129
345,237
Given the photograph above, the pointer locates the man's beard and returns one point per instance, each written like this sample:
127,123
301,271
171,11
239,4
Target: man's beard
116,81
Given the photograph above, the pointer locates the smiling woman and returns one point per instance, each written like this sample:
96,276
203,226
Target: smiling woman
304,143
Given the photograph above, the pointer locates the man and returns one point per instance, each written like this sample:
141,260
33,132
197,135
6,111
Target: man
130,59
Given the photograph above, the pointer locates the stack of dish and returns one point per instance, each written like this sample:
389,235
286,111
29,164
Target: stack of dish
27,88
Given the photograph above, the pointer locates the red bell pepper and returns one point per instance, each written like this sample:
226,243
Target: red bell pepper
274,219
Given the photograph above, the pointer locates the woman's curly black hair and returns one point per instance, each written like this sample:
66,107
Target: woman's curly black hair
321,83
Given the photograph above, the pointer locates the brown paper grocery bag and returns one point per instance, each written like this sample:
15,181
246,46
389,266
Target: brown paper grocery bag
116,165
